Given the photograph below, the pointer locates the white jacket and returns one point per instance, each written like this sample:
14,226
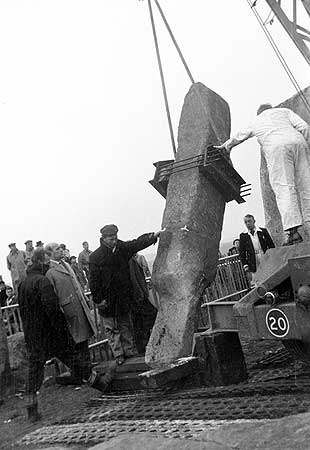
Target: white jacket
273,127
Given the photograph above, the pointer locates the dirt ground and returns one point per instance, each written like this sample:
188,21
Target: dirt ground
58,402
55,403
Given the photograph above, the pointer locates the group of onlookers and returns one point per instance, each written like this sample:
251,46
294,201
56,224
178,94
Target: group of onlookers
19,260
56,313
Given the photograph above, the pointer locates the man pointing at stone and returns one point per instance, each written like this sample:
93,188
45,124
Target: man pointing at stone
284,139
111,287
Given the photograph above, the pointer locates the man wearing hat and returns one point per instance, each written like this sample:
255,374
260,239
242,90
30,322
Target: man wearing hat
16,263
74,305
83,258
39,244
111,287
28,252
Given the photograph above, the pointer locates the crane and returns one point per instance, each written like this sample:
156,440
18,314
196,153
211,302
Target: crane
299,34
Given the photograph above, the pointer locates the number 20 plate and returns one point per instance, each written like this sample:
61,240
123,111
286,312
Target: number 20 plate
277,323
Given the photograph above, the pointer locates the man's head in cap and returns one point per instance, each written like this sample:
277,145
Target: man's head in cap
85,245
29,246
40,244
12,246
109,235
41,259
263,107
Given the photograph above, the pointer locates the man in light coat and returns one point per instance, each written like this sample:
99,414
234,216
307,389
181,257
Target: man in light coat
73,303
29,250
83,258
284,139
16,263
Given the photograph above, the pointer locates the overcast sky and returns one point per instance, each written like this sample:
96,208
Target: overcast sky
82,116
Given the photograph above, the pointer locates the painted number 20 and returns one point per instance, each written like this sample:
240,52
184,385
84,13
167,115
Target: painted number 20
277,323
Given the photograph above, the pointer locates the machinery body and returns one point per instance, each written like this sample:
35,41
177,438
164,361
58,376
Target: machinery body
278,308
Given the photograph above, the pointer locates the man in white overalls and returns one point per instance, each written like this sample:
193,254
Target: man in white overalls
284,138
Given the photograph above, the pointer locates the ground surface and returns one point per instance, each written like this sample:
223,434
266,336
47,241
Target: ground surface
56,402
82,417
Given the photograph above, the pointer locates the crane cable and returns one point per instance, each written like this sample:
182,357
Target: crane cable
175,42
162,78
161,67
279,55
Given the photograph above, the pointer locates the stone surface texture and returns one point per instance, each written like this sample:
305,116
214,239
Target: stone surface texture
288,433
272,215
187,255
57,448
145,441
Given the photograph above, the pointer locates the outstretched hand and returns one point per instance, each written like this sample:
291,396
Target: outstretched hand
158,233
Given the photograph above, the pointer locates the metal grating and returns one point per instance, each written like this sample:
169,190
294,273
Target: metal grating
92,433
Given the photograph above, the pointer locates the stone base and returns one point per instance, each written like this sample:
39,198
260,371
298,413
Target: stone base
221,358
170,373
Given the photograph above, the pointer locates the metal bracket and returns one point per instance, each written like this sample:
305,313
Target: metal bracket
214,164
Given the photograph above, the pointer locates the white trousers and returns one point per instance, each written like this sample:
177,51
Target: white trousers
289,175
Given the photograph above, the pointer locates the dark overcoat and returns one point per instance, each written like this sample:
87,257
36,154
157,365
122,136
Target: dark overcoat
45,328
109,279
246,248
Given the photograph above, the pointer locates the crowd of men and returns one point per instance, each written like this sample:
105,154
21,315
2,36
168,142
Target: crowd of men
19,260
50,287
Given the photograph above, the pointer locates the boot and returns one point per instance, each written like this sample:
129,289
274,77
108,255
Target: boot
33,414
67,378
293,237
101,382
120,360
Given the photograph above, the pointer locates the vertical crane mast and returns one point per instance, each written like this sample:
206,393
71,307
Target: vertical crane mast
297,33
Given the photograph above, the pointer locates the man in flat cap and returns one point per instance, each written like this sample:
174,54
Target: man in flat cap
16,263
39,244
29,250
83,258
111,287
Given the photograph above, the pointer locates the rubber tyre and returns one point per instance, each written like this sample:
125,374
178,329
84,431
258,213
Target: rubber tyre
298,349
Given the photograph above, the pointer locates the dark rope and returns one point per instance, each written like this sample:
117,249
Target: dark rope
162,78
174,41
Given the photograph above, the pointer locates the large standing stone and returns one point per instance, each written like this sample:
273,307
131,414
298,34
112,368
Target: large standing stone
272,215
187,255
